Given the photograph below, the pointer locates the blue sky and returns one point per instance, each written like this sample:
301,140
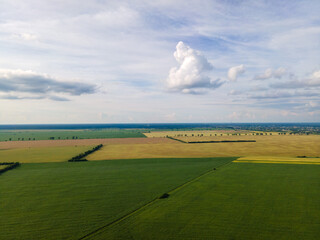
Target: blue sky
159,61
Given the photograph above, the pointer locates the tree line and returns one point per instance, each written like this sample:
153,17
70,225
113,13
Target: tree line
10,165
81,156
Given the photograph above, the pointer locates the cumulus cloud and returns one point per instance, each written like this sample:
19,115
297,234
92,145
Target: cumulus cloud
235,71
270,73
39,85
191,75
311,82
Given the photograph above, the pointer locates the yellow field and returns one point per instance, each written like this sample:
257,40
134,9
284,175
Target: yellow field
205,133
270,139
286,146
273,159
79,142
43,154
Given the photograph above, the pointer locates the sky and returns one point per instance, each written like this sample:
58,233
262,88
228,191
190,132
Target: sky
160,61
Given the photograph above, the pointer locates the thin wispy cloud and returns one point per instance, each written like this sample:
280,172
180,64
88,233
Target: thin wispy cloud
312,81
270,73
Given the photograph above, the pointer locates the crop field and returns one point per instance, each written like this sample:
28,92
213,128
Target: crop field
238,201
44,154
70,200
285,146
285,160
81,142
31,135
264,189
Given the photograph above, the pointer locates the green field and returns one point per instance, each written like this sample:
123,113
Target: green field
43,154
3,166
23,135
238,201
70,200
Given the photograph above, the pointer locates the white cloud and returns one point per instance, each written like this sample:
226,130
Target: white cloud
270,73
234,72
312,104
278,73
315,76
26,36
170,117
311,82
192,71
39,86
126,46
120,17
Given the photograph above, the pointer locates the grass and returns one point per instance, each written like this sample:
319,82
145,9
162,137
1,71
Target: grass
44,154
20,135
69,200
238,201
285,146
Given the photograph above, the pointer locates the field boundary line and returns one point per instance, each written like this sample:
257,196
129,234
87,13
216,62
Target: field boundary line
120,219
213,141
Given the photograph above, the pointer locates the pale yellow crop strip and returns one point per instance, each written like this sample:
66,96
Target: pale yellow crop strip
281,162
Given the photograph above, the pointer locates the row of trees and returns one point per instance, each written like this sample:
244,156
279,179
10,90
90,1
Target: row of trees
81,156
22,139
234,134
10,165
73,137
33,139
